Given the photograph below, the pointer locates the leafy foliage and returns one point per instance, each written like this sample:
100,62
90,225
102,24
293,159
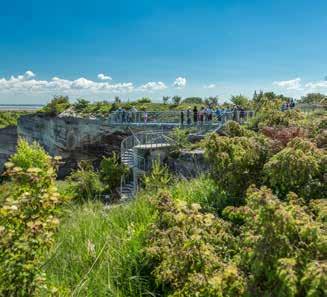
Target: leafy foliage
300,168
57,105
28,220
31,156
85,183
199,248
10,118
283,247
236,162
314,98
158,178
234,129
111,171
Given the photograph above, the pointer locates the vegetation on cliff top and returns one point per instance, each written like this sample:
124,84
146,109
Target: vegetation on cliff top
10,118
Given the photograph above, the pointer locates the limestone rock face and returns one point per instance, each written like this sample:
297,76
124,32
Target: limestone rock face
8,142
74,139
189,164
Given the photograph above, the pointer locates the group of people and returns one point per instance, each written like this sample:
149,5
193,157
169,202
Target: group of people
195,116
288,105
206,115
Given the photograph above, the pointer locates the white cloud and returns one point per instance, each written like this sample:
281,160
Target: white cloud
101,76
27,83
153,86
210,86
317,85
293,84
180,82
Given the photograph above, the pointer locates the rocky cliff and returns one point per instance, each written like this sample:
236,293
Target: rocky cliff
8,141
73,139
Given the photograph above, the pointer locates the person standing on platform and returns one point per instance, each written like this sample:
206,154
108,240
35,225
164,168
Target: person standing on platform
182,118
195,115
188,116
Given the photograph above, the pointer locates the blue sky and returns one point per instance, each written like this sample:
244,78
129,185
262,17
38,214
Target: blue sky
156,48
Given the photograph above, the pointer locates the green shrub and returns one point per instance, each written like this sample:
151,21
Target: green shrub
300,167
282,246
10,118
28,220
158,178
236,162
111,171
144,100
234,129
57,105
276,118
85,183
202,190
190,252
31,156
82,106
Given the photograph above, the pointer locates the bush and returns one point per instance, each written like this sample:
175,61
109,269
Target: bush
85,183
10,118
82,106
283,247
234,129
300,168
158,178
236,162
144,100
57,105
31,156
28,220
276,118
111,171
191,252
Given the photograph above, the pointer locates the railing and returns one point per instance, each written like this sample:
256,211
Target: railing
176,118
158,139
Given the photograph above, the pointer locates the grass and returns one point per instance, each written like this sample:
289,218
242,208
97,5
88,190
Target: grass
98,252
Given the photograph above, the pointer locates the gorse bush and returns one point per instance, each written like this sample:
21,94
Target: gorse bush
300,167
28,220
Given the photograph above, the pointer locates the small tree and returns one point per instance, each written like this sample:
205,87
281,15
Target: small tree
240,100
165,99
28,220
111,171
85,183
176,100
81,105
57,105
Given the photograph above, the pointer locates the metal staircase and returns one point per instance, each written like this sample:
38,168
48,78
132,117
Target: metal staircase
158,140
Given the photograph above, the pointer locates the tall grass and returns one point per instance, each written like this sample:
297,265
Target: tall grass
99,251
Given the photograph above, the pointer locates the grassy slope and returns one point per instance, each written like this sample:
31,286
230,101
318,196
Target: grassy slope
99,252
115,267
